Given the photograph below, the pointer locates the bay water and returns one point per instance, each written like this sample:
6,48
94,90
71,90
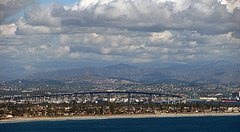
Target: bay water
153,124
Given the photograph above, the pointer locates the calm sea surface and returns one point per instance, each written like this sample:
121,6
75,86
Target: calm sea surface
163,124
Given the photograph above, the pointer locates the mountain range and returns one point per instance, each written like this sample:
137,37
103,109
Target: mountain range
220,72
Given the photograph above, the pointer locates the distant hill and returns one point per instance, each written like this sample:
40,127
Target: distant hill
101,80
117,71
121,66
205,72
223,77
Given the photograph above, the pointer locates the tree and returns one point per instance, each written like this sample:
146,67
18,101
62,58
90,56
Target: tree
112,108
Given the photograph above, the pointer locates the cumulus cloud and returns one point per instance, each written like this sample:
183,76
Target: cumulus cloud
231,4
24,28
27,67
186,45
205,16
8,29
132,31
41,15
161,37
11,7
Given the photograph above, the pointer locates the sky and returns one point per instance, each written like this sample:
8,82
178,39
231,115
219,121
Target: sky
40,35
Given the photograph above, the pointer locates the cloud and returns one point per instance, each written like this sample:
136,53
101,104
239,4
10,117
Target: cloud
24,28
27,67
41,15
11,7
161,37
8,29
137,60
127,31
231,4
204,16
185,45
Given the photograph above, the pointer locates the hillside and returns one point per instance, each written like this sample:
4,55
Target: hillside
212,72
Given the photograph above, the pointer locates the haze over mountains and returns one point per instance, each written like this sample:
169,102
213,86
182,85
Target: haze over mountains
209,72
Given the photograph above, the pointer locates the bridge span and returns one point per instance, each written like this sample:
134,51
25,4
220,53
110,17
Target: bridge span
124,92
129,93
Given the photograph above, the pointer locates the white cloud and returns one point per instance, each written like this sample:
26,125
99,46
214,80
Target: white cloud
140,60
11,7
206,16
164,57
190,56
131,31
24,28
193,43
62,51
8,30
77,55
230,4
41,15
27,67
190,50
161,37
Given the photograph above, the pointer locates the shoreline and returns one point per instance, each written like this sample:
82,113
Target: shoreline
56,118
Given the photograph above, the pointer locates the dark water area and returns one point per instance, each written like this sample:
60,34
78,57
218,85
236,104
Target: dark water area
156,124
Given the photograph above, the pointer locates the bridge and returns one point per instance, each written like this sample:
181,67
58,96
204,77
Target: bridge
118,92
122,92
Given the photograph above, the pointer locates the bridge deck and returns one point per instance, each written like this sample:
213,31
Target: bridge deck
109,92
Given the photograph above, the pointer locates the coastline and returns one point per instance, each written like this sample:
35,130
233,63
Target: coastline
22,119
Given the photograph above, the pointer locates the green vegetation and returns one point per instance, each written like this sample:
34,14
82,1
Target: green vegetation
73,108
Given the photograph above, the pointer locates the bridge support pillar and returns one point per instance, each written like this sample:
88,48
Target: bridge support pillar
108,96
83,98
129,97
150,98
91,97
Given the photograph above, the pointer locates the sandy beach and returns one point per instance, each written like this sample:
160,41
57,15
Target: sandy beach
19,119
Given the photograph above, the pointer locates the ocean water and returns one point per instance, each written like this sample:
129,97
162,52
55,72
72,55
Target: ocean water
156,124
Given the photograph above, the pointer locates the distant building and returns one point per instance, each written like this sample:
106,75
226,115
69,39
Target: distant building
236,95
193,96
209,98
